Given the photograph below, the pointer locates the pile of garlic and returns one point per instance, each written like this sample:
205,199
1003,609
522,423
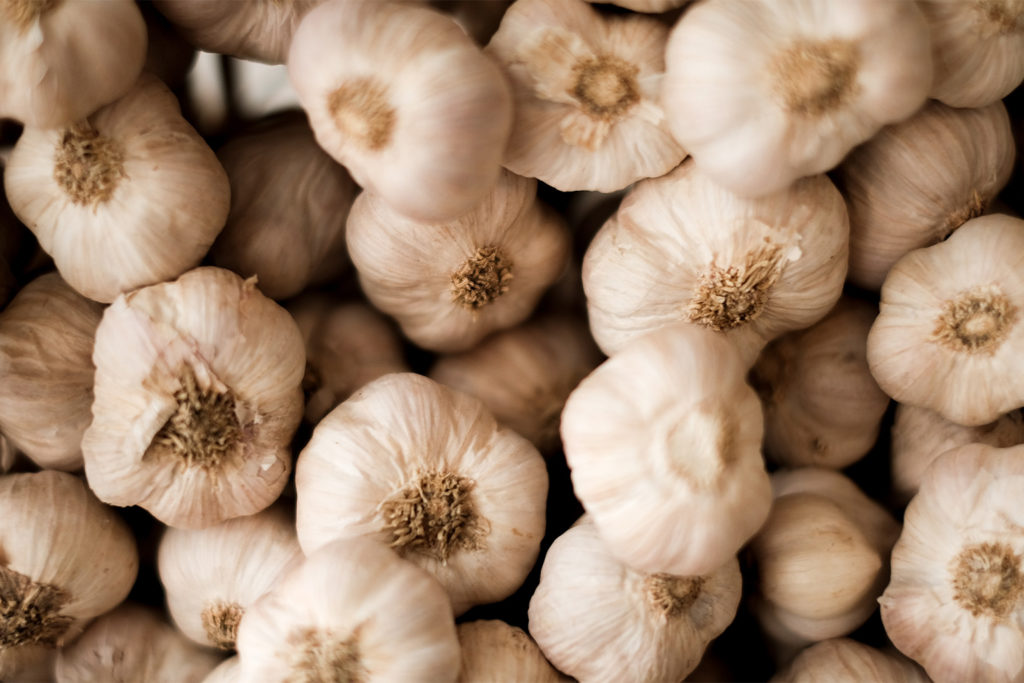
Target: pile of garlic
516,340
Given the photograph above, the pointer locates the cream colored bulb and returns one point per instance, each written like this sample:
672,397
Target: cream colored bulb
494,652
841,660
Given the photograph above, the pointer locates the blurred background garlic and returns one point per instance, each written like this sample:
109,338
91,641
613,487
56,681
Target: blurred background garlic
132,643
598,620
763,93
841,660
978,48
428,471
212,576
198,393
917,181
62,60
64,559
450,284
228,671
46,371
822,406
353,611
401,96
523,375
664,443
129,197
948,336
348,344
587,89
289,204
954,602
494,652
682,248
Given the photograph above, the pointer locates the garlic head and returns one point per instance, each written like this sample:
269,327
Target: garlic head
841,660
494,652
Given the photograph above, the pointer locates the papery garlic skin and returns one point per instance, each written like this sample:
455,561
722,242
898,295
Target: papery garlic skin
450,284
353,610
682,248
763,93
427,470
587,89
403,98
61,61
198,393
597,619
978,48
917,181
228,671
494,652
129,197
841,660
949,332
132,643
954,601
64,559
664,443
46,371
212,576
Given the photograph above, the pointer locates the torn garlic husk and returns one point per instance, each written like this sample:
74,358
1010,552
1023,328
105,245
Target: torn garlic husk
197,396
841,659
954,601
587,94
427,470
948,336
597,619
763,93
494,652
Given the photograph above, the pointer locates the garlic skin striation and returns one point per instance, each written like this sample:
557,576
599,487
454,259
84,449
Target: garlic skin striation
64,559
763,93
954,601
587,114
132,643
978,48
353,611
212,576
61,60
664,443
841,660
129,197
681,248
948,334
450,284
494,652
401,96
46,371
917,181
428,471
597,619
197,396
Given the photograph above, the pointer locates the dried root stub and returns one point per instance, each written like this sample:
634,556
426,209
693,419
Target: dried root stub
434,515
220,621
203,431
485,276
30,611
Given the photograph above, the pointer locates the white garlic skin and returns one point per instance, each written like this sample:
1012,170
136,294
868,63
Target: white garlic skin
386,619
841,660
598,620
494,652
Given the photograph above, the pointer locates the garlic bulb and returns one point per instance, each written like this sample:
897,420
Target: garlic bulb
822,407
978,48
587,91
353,611
428,471
917,181
947,337
524,375
405,100
46,371
598,620
664,443
260,30
682,248
212,576
348,344
841,660
133,644
450,284
763,93
129,197
954,601
919,436
197,398
62,60
494,652
64,559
